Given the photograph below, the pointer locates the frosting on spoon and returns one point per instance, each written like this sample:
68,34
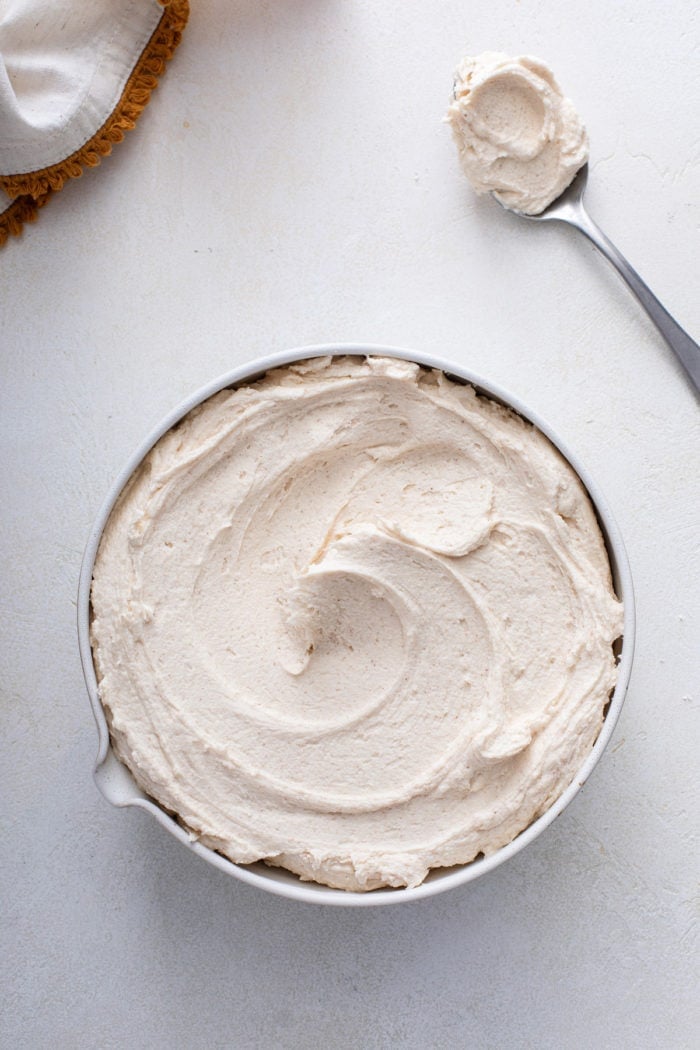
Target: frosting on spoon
517,136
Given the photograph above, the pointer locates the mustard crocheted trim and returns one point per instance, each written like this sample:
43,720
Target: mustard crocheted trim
20,210
31,190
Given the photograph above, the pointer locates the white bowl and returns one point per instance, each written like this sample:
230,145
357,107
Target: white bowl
117,784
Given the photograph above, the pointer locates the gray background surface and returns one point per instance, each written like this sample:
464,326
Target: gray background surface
291,183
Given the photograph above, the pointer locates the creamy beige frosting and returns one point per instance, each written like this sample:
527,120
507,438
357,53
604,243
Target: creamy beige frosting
354,620
518,137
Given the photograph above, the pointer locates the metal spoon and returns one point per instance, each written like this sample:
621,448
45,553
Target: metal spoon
569,208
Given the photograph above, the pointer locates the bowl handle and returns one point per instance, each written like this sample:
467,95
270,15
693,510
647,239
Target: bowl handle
115,782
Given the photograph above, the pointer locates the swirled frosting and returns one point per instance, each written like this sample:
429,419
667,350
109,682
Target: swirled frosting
518,137
355,620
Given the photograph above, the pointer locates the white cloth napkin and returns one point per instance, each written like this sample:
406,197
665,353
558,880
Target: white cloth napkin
74,75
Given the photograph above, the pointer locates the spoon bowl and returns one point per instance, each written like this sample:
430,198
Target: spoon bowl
565,208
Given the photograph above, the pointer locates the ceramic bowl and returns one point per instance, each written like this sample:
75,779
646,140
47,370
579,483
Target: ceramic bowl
117,784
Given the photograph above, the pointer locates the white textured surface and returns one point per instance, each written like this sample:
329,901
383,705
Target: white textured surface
292,183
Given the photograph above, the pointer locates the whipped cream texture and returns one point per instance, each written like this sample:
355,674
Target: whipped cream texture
518,137
354,620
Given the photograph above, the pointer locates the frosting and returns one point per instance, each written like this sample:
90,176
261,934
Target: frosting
518,137
355,620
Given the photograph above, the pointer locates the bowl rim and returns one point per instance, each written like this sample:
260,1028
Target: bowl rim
115,782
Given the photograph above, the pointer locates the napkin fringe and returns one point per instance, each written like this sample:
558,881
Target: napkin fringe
20,210
31,190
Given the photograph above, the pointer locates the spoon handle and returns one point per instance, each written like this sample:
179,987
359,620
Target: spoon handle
686,349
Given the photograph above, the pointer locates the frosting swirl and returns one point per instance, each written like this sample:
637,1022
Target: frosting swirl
354,620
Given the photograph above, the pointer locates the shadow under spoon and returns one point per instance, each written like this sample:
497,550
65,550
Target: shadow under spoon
569,208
